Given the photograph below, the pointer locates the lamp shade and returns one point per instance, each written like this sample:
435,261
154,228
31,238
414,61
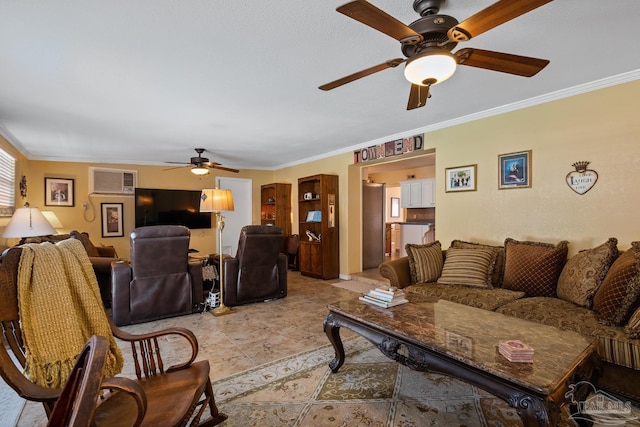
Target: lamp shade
216,200
52,218
431,67
28,222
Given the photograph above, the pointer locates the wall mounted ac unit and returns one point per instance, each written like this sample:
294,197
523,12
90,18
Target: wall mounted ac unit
112,182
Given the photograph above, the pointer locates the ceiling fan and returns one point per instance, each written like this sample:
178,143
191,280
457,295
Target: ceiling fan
427,43
201,165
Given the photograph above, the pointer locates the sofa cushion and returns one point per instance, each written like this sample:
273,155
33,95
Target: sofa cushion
533,267
471,267
633,326
425,261
92,251
617,297
584,272
473,296
614,344
498,269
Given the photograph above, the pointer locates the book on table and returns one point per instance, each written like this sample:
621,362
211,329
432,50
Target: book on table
385,295
381,303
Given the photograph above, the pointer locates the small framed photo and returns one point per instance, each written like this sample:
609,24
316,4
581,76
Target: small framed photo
395,207
112,224
59,192
515,170
461,178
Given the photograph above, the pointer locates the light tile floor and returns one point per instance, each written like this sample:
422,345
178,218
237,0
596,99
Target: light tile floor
252,335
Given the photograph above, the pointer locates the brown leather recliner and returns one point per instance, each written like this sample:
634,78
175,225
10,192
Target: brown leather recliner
259,270
161,281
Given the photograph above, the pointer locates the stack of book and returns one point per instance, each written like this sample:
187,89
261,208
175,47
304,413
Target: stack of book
384,297
516,351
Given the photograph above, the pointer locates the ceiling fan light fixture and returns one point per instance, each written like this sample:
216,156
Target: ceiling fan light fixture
199,170
430,68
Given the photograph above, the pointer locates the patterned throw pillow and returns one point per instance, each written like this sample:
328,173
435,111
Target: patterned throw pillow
584,272
617,297
471,267
533,267
498,269
425,261
633,327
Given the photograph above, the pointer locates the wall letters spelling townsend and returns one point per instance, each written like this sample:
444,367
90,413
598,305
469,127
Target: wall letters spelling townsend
389,149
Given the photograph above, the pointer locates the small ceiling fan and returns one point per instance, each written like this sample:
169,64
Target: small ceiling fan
201,165
427,43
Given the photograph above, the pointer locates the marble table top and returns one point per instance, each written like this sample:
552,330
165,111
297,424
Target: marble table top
471,335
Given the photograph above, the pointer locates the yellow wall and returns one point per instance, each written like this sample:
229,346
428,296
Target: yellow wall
599,126
148,177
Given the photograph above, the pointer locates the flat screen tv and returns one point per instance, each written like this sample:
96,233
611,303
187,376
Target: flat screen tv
170,207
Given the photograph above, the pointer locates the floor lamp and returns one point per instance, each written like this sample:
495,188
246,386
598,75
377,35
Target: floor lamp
217,200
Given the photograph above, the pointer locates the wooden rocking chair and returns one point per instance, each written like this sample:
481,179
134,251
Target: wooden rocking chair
77,402
176,396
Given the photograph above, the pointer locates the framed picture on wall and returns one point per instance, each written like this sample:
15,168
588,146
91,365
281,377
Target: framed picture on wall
461,178
58,192
395,207
514,170
112,223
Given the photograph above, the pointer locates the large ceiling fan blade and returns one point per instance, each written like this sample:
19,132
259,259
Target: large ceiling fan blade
504,62
179,163
418,96
217,166
360,74
494,15
377,19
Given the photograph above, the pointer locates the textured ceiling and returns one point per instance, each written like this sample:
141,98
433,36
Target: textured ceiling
148,81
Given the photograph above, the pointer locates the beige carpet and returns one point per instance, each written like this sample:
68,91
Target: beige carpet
369,390
355,286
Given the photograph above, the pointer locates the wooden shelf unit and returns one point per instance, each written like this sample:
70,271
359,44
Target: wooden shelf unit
275,206
320,259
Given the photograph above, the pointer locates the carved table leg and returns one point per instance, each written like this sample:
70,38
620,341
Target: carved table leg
332,329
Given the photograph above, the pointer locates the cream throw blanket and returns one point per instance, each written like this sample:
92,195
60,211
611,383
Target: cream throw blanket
60,309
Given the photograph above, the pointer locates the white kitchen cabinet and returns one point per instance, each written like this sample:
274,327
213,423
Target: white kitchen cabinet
417,234
418,193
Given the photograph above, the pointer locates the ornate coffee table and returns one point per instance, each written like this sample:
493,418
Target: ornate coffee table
462,342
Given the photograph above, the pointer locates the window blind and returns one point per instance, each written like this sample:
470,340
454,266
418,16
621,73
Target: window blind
7,183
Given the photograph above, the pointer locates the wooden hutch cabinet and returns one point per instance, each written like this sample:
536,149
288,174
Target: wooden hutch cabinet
318,216
275,206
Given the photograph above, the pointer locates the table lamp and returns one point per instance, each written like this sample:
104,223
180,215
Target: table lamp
217,200
27,222
53,219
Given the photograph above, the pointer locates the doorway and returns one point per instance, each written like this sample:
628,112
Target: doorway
390,173
240,216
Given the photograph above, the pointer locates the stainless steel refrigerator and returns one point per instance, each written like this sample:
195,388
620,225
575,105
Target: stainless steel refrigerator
372,225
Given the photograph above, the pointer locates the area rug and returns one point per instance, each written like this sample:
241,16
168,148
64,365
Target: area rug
355,286
10,404
368,390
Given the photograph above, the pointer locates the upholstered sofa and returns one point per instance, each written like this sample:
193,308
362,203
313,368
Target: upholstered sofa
596,292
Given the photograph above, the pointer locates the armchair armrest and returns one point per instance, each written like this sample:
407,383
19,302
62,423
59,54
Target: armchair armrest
133,389
397,271
120,292
146,350
197,288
